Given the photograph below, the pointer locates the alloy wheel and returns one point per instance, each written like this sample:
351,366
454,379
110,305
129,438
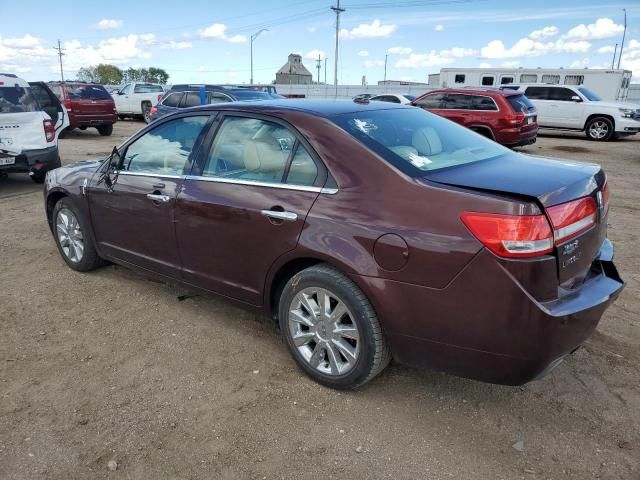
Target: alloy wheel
69,235
323,331
599,130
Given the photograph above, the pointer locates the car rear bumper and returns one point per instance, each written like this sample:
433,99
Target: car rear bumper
515,137
93,120
492,331
34,161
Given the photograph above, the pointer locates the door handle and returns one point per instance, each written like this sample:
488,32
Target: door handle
285,216
158,185
158,198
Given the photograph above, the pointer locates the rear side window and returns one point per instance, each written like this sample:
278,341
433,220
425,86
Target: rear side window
484,103
144,88
172,100
458,102
190,99
520,103
434,101
17,99
218,98
537,93
415,141
87,92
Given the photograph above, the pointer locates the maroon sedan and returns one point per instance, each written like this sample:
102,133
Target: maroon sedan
368,231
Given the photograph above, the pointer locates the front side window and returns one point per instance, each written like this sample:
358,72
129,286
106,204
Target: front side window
16,99
562,94
435,101
591,96
125,90
250,149
165,150
415,141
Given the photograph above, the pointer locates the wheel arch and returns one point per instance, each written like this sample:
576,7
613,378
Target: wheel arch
483,130
52,199
604,115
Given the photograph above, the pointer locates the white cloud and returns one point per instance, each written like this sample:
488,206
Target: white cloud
373,63
433,58
400,50
14,68
526,47
311,29
148,38
107,24
313,54
363,53
219,31
511,64
582,63
607,49
580,46
27,42
602,28
374,29
631,58
173,45
438,28
545,32
484,65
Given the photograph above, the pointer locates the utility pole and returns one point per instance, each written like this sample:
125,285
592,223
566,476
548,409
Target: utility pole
60,54
613,60
386,57
325,70
624,33
253,37
318,67
338,11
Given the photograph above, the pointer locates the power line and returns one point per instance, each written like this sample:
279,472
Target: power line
60,51
337,11
624,33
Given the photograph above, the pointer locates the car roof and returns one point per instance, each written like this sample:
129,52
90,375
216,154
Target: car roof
9,79
478,90
507,85
320,108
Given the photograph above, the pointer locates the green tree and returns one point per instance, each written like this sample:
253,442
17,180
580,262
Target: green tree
152,74
87,74
157,75
108,74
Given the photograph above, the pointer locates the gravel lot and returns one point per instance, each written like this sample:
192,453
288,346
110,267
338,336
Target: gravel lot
110,366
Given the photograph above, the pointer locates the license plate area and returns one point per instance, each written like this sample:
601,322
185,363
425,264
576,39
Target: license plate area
7,160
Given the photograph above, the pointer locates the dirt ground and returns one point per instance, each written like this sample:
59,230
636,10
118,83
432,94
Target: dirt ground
110,366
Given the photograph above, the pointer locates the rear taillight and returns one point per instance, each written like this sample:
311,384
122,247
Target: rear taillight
67,105
514,119
514,236
572,218
49,130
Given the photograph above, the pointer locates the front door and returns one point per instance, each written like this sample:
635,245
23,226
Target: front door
569,113
133,221
245,206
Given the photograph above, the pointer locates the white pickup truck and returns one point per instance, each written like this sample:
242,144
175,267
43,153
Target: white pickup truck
135,99
574,107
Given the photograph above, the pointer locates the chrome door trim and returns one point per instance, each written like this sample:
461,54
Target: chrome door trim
142,174
158,197
286,216
255,183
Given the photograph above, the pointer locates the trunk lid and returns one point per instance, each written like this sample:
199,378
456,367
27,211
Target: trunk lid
549,183
90,99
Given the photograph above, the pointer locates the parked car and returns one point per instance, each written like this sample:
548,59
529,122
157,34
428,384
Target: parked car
432,244
135,99
28,141
185,96
363,96
569,107
87,104
504,116
404,99
50,104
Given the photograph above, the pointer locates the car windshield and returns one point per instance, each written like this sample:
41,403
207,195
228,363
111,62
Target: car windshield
17,99
248,94
589,94
88,92
415,141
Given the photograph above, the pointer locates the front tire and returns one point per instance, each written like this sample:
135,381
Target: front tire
73,237
331,329
599,129
105,130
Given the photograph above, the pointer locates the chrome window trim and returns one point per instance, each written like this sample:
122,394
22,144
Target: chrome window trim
144,174
255,183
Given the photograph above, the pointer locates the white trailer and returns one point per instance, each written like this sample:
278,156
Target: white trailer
612,85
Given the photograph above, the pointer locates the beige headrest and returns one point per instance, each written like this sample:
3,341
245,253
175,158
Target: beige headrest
261,156
427,141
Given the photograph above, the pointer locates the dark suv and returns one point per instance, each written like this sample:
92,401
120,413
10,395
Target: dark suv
88,104
192,95
506,117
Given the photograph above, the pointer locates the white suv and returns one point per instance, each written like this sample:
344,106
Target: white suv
28,137
569,107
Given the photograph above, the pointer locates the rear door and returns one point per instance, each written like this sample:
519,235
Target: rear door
541,98
134,221
458,108
50,103
246,205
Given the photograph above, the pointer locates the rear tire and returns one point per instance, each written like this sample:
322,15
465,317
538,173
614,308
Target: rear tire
74,231
105,130
599,129
146,112
331,329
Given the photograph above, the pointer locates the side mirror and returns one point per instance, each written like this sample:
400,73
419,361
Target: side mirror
576,98
110,173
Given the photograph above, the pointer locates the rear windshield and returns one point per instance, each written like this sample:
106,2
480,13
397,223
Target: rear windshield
17,99
410,97
416,141
520,103
87,92
144,88
247,94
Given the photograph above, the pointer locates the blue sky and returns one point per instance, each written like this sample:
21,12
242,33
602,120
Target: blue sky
204,41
